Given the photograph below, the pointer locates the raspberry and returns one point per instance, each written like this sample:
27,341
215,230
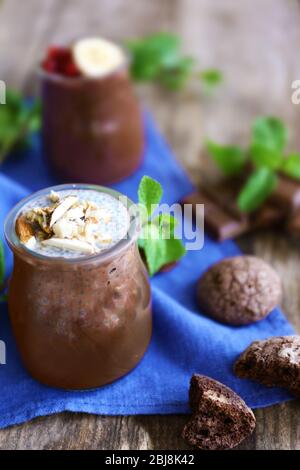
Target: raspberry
60,60
71,70
49,65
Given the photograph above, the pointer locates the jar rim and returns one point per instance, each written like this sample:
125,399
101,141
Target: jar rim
17,246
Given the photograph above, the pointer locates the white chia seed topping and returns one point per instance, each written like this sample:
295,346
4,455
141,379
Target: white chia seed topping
72,223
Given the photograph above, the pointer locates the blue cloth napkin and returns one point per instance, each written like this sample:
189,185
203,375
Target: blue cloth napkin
184,341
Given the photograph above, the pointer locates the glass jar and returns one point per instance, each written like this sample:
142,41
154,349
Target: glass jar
92,128
81,322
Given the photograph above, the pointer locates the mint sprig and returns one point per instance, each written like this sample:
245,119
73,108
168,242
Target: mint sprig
17,121
265,155
157,239
159,58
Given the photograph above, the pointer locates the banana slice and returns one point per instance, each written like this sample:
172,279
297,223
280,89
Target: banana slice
96,57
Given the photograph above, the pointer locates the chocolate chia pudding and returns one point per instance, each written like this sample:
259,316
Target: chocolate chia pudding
79,296
92,124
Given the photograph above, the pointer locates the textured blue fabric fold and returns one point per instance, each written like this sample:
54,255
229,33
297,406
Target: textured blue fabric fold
184,341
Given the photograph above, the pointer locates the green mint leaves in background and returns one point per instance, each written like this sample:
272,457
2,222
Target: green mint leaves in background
265,156
229,158
291,165
159,57
270,133
210,78
17,122
257,189
157,240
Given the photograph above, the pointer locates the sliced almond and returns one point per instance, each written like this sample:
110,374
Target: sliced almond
54,196
76,213
65,228
65,205
24,229
31,243
104,240
72,245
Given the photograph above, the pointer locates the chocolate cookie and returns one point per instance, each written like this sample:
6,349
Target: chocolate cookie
272,362
239,290
220,419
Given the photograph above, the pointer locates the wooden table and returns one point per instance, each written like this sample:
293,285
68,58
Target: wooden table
255,43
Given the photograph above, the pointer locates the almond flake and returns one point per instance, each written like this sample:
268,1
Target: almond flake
31,243
72,245
104,240
65,228
54,196
60,210
75,213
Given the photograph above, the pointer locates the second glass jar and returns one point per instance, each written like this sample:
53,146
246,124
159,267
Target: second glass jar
92,127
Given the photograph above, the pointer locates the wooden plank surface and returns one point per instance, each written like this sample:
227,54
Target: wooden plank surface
258,55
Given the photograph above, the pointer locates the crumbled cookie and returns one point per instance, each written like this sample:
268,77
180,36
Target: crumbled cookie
24,229
272,362
220,419
239,290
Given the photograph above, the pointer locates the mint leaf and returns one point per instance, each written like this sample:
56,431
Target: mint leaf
174,250
263,156
154,249
17,122
211,78
176,75
152,53
167,224
157,238
150,193
269,132
229,158
159,57
291,165
159,251
259,186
